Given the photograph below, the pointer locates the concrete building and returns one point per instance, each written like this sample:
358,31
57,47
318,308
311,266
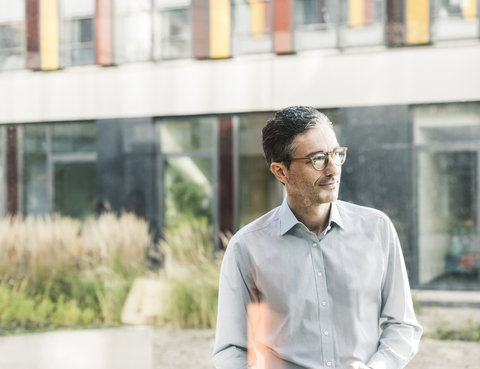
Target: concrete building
156,106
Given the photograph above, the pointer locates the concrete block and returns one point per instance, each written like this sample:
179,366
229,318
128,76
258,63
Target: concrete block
113,348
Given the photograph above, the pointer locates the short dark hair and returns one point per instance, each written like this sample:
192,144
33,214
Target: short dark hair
280,131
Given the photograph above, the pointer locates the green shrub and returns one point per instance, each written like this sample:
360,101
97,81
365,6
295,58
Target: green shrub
192,271
60,272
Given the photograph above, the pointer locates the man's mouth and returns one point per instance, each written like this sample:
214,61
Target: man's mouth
329,183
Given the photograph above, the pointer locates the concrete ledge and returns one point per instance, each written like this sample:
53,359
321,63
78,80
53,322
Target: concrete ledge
447,298
113,348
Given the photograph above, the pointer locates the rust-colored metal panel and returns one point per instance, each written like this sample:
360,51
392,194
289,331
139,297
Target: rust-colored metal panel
282,32
103,32
395,20
368,12
226,175
200,29
12,171
32,34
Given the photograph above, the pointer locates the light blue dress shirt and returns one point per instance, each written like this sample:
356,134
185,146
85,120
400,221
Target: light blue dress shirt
325,294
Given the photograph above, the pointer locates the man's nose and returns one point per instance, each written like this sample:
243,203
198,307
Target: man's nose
332,169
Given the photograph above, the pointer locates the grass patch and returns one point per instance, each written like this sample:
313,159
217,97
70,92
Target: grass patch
192,272
58,272
469,333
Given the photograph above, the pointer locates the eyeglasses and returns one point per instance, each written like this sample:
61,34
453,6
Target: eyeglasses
320,160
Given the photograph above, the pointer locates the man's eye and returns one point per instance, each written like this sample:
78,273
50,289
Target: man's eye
319,159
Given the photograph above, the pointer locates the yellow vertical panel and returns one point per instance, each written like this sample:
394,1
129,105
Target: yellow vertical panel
356,13
257,18
418,22
219,28
469,9
49,35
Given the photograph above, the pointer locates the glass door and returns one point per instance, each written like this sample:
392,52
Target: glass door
448,218
447,140
188,172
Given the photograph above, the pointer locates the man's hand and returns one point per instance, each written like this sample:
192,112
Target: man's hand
358,365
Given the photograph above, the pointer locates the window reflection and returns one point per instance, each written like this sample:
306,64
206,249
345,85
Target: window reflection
448,212
454,19
12,35
259,189
188,190
251,27
181,135
315,24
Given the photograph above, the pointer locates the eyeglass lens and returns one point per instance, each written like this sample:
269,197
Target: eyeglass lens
320,161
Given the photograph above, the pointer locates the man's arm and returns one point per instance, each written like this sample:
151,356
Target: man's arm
401,334
231,342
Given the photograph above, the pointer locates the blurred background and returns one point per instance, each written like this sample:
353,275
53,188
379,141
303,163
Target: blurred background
156,106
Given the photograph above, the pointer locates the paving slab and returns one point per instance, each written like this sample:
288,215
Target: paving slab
111,348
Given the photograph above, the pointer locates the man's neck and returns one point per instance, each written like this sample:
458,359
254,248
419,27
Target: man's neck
314,217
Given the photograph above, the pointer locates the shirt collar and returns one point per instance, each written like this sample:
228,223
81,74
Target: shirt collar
288,219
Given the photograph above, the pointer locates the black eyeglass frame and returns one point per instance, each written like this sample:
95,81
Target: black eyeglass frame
327,154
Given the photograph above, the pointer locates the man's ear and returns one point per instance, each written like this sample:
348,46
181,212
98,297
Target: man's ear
280,171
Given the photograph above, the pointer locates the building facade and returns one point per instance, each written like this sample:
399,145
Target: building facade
157,106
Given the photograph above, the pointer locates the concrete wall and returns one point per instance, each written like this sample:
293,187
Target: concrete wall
263,82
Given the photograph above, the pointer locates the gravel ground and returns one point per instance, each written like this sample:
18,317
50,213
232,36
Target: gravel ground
182,349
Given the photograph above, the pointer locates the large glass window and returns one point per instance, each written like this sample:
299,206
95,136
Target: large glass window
454,19
315,24
188,170
59,169
132,30
12,34
78,34
35,197
175,29
251,27
448,144
362,23
259,190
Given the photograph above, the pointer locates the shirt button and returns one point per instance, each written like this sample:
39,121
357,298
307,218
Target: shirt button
329,364
324,303
326,333
319,274
314,245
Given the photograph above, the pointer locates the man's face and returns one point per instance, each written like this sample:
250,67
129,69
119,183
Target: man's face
304,182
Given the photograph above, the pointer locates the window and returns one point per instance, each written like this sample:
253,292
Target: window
132,31
362,23
315,24
454,19
12,34
78,35
259,190
251,27
188,170
176,29
447,137
59,170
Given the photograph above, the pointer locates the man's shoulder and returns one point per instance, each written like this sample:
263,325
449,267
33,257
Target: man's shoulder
266,222
349,209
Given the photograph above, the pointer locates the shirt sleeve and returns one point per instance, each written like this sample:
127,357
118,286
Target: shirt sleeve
234,298
401,334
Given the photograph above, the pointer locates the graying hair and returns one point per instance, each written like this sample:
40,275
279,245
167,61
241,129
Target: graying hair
281,130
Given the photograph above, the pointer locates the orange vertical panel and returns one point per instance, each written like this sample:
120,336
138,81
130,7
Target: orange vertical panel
103,32
282,23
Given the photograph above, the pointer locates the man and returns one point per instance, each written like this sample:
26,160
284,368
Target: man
307,283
